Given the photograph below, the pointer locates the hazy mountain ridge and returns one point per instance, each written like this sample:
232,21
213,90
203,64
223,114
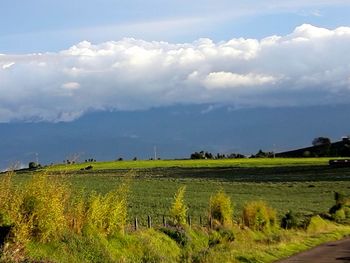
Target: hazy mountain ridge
176,131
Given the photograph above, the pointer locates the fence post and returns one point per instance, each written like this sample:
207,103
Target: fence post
210,222
200,221
136,224
189,220
149,221
164,221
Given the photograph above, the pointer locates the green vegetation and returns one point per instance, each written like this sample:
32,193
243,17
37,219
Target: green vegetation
91,218
140,164
178,211
220,209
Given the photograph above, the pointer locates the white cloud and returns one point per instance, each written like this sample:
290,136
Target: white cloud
71,85
8,65
227,80
310,66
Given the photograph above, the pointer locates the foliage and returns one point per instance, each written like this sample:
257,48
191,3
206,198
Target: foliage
178,234
94,223
321,141
258,216
157,247
341,209
178,211
34,165
319,225
289,220
220,209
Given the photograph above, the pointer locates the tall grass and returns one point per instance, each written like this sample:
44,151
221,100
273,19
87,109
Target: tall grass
43,210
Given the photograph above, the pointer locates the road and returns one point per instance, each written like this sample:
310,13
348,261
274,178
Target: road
337,252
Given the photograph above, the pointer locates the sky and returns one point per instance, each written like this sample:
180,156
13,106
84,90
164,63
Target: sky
63,60
51,26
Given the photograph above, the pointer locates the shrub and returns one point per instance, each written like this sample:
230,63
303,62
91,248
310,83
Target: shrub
179,209
220,209
319,225
339,215
289,221
43,207
157,247
223,235
176,233
258,216
107,214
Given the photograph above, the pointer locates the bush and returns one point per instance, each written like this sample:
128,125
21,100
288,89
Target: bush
176,233
223,235
258,216
107,214
289,221
220,209
319,225
157,247
43,208
178,209
339,215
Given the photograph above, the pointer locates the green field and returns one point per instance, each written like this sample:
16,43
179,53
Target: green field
141,164
304,185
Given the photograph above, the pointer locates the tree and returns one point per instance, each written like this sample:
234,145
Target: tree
322,146
321,141
33,165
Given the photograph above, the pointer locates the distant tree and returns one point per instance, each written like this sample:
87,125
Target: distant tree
202,155
208,155
321,141
262,154
120,159
322,146
34,165
197,155
135,159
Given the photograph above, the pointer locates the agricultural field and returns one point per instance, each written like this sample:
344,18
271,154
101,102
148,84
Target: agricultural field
70,214
303,185
144,164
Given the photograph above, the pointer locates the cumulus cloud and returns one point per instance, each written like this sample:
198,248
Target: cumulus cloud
310,66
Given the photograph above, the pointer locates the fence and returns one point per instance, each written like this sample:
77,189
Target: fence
148,222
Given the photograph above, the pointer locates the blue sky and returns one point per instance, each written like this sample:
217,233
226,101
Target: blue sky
64,62
42,25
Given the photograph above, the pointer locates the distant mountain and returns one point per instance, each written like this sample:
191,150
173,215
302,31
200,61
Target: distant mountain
176,131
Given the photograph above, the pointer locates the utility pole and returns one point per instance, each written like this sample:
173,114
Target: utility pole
37,158
155,152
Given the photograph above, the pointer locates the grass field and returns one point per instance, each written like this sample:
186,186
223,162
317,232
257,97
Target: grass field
305,186
141,164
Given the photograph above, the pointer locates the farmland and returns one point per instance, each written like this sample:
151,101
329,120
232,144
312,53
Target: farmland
305,185
85,216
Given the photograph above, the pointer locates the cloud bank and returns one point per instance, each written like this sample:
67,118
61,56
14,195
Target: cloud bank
310,66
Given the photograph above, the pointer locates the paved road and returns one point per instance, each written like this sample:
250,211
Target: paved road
333,252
